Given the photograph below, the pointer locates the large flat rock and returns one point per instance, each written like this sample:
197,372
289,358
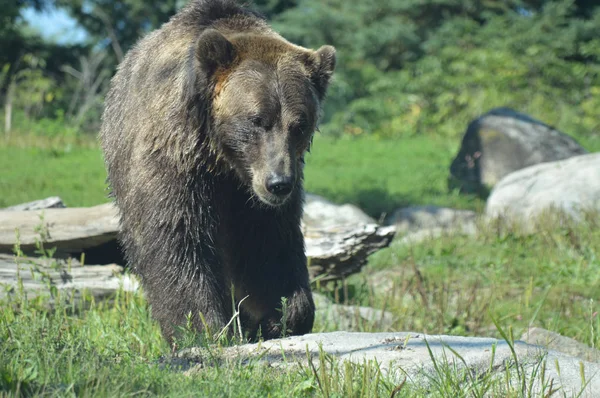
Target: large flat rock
555,341
571,185
320,213
402,354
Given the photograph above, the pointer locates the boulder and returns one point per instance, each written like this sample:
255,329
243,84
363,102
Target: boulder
571,186
555,341
321,213
418,218
503,141
347,317
416,358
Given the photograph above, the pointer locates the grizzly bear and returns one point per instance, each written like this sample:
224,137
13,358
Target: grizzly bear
204,133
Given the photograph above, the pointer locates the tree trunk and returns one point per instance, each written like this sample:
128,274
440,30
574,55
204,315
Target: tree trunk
8,107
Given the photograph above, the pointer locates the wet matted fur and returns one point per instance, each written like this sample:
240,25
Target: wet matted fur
204,133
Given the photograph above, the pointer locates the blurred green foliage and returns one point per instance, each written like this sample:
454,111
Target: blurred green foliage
406,67
412,67
357,170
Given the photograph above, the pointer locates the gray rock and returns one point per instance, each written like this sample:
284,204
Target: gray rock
555,341
417,218
319,213
503,141
383,282
571,185
416,224
53,202
349,318
406,356
423,235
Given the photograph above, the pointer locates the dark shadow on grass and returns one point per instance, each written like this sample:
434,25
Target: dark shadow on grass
110,252
379,203
107,253
376,202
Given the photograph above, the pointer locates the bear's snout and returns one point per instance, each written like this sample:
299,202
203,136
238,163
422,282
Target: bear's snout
280,185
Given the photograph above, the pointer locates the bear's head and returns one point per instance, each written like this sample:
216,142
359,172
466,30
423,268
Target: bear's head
266,97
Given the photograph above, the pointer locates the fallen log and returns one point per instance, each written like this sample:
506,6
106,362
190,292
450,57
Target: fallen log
338,252
333,253
70,230
41,276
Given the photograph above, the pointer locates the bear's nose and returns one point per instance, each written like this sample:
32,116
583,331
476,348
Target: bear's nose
279,185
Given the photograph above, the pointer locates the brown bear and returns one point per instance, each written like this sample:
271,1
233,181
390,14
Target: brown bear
204,133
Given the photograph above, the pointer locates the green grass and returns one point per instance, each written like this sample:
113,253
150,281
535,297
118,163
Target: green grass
381,175
453,285
456,284
74,173
376,175
110,351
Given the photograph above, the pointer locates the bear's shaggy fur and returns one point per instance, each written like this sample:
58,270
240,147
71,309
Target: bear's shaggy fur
204,134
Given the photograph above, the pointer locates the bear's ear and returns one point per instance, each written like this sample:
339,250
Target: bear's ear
324,67
214,51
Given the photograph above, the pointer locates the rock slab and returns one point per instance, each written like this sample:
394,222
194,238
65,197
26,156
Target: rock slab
335,253
72,230
319,213
39,276
557,342
417,218
406,355
571,185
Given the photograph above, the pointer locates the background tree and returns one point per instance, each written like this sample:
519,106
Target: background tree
410,66
405,66
120,23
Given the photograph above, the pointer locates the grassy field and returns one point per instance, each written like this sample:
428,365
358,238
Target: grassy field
458,284
376,175
451,285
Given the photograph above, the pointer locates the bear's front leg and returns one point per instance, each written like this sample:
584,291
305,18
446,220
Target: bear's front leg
179,304
293,315
276,293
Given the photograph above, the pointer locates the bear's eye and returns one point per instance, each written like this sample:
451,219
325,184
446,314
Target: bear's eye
298,127
297,130
257,121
